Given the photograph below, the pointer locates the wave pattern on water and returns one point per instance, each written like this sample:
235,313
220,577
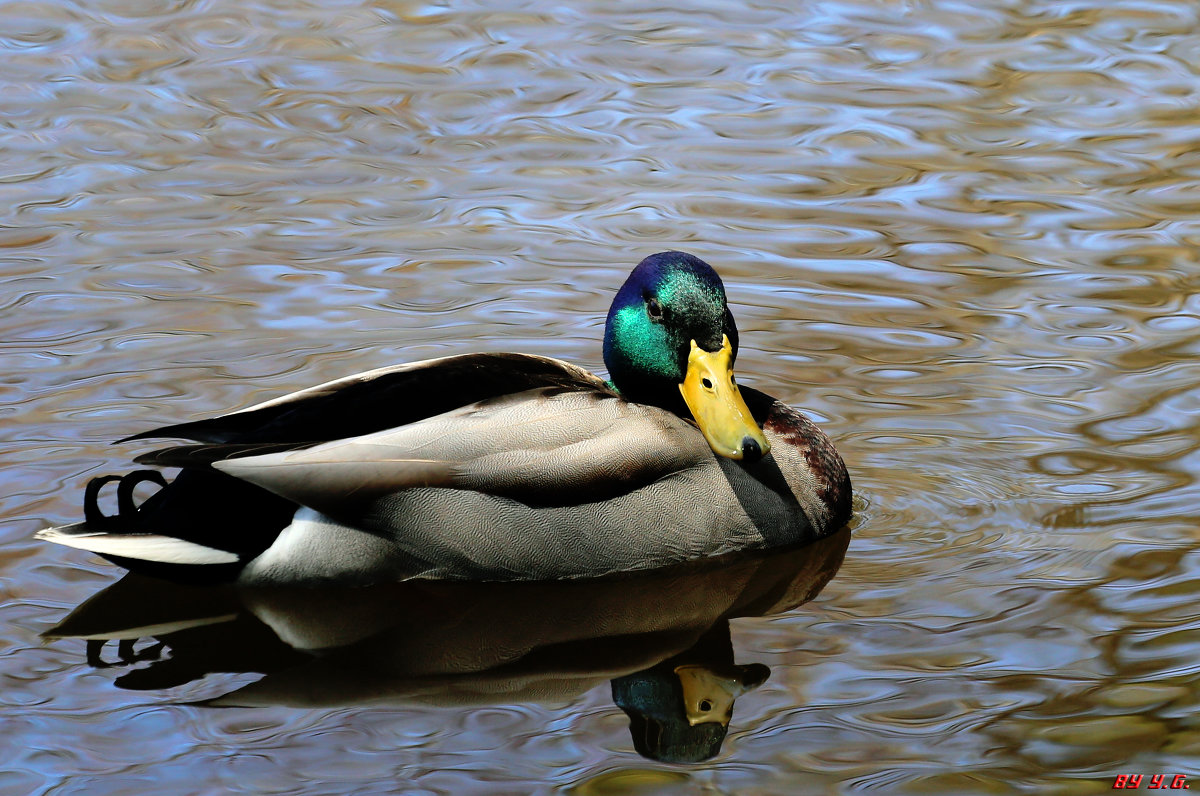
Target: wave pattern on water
962,235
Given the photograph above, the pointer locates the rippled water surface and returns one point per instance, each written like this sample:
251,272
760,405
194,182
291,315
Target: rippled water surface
961,236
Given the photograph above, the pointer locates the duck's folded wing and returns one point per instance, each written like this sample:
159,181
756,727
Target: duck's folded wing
382,398
543,447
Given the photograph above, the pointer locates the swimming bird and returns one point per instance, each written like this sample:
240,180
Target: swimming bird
491,466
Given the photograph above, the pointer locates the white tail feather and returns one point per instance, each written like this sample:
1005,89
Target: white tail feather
142,546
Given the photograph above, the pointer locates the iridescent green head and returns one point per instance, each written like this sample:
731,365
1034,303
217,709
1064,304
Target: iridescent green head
671,341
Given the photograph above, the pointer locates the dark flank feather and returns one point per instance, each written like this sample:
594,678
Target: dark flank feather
204,455
381,399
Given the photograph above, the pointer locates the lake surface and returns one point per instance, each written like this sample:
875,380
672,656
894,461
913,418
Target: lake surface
962,236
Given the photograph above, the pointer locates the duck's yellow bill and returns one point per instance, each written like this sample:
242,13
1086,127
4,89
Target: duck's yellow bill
711,393
707,696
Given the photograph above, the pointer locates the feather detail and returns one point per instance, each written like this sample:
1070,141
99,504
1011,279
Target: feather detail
140,546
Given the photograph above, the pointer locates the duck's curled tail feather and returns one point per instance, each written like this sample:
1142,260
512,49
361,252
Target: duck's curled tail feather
162,536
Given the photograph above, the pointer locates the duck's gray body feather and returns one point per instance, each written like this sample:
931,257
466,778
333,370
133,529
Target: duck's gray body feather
544,484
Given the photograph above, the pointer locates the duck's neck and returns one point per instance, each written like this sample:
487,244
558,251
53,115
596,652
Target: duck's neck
671,400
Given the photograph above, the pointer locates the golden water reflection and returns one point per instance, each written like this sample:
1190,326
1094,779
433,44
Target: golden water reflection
962,236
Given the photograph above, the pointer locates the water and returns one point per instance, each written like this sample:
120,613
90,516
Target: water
962,236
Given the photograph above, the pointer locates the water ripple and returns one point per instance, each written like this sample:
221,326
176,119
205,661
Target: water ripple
961,235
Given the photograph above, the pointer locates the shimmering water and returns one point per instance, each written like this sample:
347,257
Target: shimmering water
962,236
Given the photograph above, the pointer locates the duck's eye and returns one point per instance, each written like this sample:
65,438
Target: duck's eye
654,308
705,705
708,385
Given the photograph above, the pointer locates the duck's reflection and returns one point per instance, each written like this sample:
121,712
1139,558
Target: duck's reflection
662,639
679,710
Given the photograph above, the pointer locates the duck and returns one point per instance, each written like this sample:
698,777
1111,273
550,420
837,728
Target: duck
490,466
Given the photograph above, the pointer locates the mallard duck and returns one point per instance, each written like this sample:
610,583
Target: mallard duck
492,466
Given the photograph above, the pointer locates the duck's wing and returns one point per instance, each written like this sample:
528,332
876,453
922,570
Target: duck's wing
383,398
546,446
